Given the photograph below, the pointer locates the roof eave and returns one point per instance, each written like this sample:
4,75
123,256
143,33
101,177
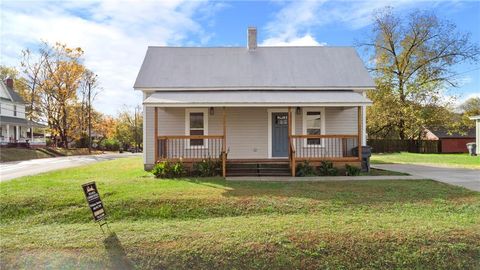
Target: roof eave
141,88
262,104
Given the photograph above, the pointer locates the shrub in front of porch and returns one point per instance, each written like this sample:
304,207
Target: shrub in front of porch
206,168
166,169
352,170
305,169
326,168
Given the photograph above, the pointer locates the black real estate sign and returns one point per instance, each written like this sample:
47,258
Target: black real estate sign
94,201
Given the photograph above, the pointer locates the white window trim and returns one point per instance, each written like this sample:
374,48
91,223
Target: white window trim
269,115
205,126
322,126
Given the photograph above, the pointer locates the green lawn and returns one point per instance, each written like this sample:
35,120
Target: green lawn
16,154
444,160
210,224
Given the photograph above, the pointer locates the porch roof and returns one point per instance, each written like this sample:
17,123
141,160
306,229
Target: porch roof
9,120
256,99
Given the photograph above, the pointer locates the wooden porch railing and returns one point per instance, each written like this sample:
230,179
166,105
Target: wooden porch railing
322,147
192,148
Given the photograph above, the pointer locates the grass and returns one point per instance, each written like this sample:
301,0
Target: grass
74,151
211,223
16,154
443,160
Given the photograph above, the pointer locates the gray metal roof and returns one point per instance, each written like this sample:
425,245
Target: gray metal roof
9,120
318,67
443,133
14,95
268,98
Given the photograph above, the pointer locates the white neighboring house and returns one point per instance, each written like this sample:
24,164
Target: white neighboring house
15,129
476,118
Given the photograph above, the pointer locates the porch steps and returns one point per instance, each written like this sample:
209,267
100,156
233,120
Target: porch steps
258,169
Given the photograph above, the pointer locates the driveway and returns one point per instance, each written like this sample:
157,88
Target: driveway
15,169
467,178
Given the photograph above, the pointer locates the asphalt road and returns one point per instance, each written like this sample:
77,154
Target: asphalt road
15,169
468,178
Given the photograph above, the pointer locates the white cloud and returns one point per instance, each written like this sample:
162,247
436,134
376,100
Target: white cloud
297,19
464,98
306,40
113,34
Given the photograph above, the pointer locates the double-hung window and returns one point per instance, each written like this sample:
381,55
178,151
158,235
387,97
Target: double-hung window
313,124
196,125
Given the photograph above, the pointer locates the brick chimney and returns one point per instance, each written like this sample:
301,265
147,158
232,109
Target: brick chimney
9,82
252,38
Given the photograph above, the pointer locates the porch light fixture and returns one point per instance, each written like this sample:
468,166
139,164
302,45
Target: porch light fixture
212,110
298,110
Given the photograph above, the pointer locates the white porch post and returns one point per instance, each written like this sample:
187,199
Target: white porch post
17,136
8,133
31,134
144,126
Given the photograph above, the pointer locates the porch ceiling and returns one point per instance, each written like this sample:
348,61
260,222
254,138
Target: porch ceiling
256,99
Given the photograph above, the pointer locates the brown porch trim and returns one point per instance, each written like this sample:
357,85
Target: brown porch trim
156,133
359,120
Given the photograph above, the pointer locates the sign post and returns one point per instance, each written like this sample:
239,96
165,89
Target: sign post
95,204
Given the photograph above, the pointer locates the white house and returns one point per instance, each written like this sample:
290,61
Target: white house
15,129
476,118
253,104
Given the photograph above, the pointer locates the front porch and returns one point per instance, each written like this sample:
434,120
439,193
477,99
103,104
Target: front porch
21,133
257,136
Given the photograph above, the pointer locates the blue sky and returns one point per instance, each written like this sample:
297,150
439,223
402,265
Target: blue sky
115,34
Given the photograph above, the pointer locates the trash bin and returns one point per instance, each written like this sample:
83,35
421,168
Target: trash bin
366,154
472,148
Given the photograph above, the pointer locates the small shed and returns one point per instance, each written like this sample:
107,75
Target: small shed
451,142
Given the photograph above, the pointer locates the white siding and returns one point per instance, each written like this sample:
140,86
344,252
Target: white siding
341,120
148,142
477,135
247,128
7,109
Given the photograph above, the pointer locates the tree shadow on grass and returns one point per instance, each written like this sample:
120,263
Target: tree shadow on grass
116,253
355,192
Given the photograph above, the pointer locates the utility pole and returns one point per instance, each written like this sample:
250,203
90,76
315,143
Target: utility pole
89,118
135,128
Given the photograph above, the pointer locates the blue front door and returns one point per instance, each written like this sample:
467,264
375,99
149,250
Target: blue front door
279,134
